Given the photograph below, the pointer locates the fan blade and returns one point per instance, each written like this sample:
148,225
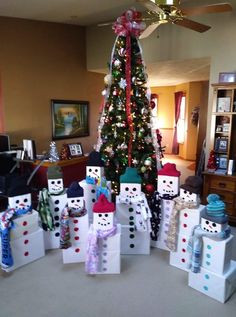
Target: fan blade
212,8
151,28
150,5
192,25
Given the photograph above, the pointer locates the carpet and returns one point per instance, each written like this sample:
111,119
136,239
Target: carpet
192,166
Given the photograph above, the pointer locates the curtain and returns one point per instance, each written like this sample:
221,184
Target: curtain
178,99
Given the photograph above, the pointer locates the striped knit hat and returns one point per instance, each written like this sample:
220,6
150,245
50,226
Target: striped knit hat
215,210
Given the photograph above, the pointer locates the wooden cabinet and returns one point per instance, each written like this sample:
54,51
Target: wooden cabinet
225,187
223,134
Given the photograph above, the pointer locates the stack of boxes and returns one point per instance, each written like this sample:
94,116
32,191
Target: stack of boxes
216,274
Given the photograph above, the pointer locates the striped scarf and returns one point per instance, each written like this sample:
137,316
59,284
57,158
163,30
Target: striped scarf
6,223
172,235
92,256
195,244
64,224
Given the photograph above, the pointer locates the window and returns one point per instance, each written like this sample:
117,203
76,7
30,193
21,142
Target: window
181,121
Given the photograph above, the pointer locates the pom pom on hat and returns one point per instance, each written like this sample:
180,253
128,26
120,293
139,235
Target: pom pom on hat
215,209
103,205
75,190
169,169
193,184
95,159
54,172
131,176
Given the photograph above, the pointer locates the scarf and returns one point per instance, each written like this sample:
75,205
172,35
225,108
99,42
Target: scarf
143,213
195,245
6,223
92,256
64,224
172,235
155,206
91,180
102,188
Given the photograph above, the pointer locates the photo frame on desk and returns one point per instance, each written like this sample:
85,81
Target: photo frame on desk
223,162
221,145
75,150
223,104
70,119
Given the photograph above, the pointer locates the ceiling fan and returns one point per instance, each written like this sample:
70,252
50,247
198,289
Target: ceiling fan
169,11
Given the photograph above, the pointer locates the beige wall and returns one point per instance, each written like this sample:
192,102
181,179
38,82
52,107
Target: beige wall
41,61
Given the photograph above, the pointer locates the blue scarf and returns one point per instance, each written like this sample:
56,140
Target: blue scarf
6,223
195,245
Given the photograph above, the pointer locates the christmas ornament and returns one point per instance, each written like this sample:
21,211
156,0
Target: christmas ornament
148,162
117,63
143,169
122,83
149,188
108,79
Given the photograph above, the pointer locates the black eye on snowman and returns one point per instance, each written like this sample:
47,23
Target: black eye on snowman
58,182
134,189
96,170
99,215
185,191
72,200
171,182
52,182
17,201
190,193
164,181
214,224
90,170
207,222
127,188
106,215
78,200
25,200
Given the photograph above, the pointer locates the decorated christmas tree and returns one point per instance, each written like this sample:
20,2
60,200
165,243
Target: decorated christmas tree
125,134
211,164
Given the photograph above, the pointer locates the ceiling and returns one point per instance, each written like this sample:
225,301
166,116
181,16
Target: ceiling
91,12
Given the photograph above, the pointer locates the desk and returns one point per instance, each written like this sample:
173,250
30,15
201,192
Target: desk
73,170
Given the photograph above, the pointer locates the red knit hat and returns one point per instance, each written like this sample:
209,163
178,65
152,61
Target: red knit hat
169,169
103,205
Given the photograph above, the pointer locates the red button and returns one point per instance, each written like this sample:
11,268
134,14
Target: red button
25,233
185,214
185,226
76,238
183,260
24,223
76,229
77,250
26,241
75,221
183,250
26,253
184,240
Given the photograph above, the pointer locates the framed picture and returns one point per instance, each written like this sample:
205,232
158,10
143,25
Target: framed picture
75,149
223,162
70,119
223,104
227,77
223,145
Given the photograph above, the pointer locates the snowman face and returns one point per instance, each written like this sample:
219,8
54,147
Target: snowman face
103,221
95,171
168,185
130,190
211,226
187,196
75,202
55,186
21,202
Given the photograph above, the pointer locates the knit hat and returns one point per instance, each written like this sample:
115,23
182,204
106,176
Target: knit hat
75,190
193,184
169,169
54,172
94,159
130,176
18,187
215,210
103,205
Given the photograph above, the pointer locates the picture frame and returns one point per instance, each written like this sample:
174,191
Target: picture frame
70,119
223,104
227,77
223,162
223,145
75,149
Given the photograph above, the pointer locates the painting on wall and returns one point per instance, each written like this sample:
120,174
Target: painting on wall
70,119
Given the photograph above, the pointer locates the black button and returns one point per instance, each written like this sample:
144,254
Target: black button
56,202
57,234
131,246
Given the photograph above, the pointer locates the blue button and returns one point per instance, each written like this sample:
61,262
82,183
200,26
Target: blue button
208,263
207,276
205,288
208,255
209,247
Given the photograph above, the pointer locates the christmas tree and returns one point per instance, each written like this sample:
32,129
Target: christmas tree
211,164
125,134
53,153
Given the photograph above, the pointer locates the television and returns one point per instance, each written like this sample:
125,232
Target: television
4,143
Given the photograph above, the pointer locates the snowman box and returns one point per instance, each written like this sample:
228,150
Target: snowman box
216,255
78,237
26,249
132,240
168,180
55,180
217,286
52,238
95,166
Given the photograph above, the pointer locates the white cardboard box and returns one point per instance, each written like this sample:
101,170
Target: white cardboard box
132,241
78,236
57,204
26,249
188,218
180,258
24,225
216,255
90,196
219,287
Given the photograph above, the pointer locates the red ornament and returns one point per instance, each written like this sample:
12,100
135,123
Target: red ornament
152,104
149,188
